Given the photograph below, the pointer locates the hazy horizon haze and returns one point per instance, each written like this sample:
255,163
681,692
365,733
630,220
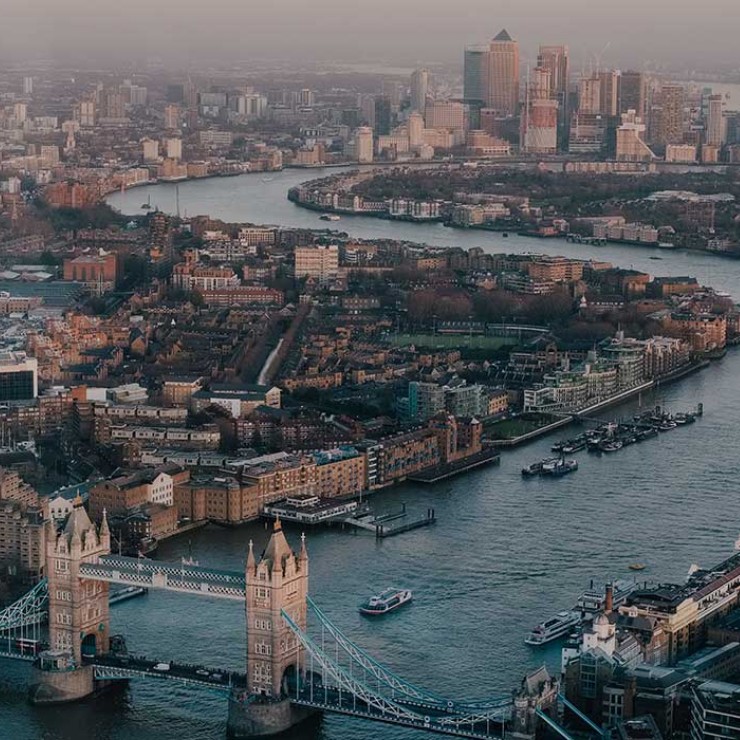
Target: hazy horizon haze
655,35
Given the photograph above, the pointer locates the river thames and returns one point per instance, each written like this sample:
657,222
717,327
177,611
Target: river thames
504,554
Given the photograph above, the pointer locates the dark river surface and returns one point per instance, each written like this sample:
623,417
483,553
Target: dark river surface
504,554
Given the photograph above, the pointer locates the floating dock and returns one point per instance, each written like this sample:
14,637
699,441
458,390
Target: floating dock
388,525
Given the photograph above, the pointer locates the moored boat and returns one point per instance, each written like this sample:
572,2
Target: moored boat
560,468
558,626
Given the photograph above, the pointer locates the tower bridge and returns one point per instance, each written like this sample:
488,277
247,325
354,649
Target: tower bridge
298,662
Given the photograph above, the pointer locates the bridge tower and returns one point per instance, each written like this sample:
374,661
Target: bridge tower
279,581
79,623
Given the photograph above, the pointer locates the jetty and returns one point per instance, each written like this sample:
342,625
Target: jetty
389,525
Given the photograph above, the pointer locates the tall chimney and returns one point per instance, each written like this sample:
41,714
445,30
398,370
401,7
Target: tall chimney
609,598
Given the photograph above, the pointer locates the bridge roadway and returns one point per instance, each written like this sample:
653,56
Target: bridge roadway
124,667
181,577
332,699
13,652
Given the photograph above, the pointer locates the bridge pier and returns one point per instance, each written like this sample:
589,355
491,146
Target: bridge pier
256,717
61,686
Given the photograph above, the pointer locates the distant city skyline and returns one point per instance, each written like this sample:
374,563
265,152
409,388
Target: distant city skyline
639,35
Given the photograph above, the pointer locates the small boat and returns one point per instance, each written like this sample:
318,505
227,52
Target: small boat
386,601
505,234
558,626
558,446
574,446
655,258
560,468
329,217
637,566
532,470
682,419
593,599
611,446
666,425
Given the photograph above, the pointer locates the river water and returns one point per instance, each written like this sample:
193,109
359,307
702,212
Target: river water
504,554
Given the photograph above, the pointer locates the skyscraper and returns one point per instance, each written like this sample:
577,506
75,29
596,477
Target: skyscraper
714,134
633,93
419,89
475,75
672,104
609,92
539,131
503,75
555,60
589,96
382,115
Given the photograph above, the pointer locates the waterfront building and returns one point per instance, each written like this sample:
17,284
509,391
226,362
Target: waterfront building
122,494
396,457
217,498
364,145
340,472
150,150
705,332
280,475
173,148
627,357
503,75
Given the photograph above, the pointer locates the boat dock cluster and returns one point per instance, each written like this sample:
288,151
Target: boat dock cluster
611,437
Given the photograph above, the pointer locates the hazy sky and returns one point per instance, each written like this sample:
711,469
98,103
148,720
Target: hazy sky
640,32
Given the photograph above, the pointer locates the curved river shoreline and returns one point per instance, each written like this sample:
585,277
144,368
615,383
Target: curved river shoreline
262,199
505,553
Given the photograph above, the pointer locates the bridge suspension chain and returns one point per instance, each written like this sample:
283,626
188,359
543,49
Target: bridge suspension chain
32,608
398,684
350,684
